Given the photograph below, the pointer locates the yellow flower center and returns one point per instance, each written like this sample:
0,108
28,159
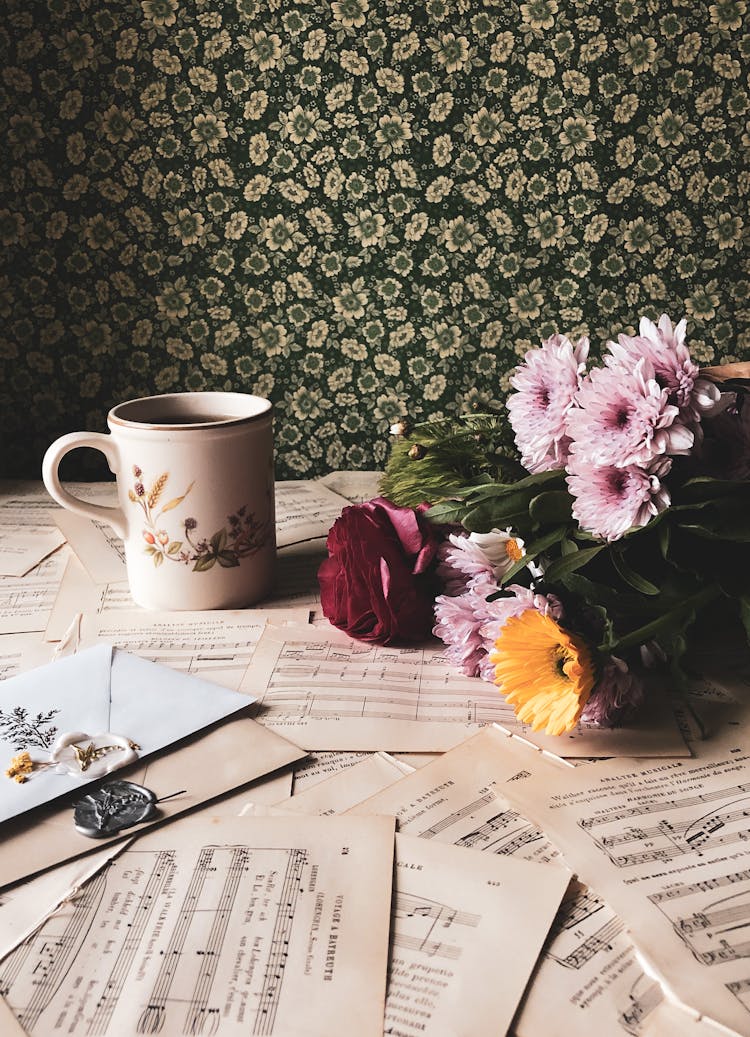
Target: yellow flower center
513,550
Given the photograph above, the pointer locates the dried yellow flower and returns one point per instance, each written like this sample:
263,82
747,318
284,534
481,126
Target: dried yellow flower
20,767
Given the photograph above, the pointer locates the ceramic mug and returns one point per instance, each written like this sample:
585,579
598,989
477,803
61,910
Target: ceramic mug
196,496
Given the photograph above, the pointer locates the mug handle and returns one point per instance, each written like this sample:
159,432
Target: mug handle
62,446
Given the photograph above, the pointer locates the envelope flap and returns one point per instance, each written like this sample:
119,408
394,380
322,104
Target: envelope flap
156,706
98,691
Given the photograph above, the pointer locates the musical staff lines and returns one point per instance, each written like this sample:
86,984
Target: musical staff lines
30,988
153,1015
676,829
715,928
200,1016
320,681
418,925
246,935
268,1001
643,998
584,927
158,882
741,990
113,541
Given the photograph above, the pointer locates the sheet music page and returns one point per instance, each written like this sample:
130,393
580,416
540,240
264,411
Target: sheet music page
24,908
272,926
589,962
305,510
666,845
296,587
26,601
459,799
297,575
215,645
349,787
100,550
17,649
355,486
466,930
328,691
21,549
217,762
78,593
9,1025
417,760
321,765
591,973
25,504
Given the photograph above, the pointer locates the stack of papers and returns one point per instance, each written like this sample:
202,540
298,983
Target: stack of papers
348,838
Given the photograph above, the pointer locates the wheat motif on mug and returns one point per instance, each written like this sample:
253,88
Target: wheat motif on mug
241,538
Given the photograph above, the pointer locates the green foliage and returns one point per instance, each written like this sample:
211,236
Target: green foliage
652,584
438,458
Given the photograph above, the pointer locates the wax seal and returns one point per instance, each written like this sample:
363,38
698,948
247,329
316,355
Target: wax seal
112,808
92,756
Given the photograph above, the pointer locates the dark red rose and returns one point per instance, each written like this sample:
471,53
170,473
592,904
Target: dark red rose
377,583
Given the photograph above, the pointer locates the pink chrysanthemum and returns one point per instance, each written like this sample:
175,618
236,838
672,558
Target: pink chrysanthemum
457,625
610,500
622,417
617,696
674,370
545,385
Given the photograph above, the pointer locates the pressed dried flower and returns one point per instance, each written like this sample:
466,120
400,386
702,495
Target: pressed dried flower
20,767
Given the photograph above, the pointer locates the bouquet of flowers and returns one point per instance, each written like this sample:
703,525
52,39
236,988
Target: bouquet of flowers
560,566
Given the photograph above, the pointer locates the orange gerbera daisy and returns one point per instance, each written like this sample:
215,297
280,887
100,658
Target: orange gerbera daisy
545,673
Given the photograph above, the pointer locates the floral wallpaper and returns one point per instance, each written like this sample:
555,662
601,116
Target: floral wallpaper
364,209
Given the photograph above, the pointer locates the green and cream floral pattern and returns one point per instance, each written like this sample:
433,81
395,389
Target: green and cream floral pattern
364,209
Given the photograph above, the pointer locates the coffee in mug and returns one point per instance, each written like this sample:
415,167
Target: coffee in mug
195,487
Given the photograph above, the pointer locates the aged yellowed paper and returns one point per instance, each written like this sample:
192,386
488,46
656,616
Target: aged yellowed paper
214,645
466,930
666,845
327,691
211,764
271,926
348,787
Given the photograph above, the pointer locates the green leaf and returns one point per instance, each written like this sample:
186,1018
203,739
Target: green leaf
174,547
158,559
665,536
735,530
671,621
204,563
486,517
447,512
745,614
150,550
634,579
551,506
704,488
228,559
570,562
218,541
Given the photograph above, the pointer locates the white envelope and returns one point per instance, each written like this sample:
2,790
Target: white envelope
96,691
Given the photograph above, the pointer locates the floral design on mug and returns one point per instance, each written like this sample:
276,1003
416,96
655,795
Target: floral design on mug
243,536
